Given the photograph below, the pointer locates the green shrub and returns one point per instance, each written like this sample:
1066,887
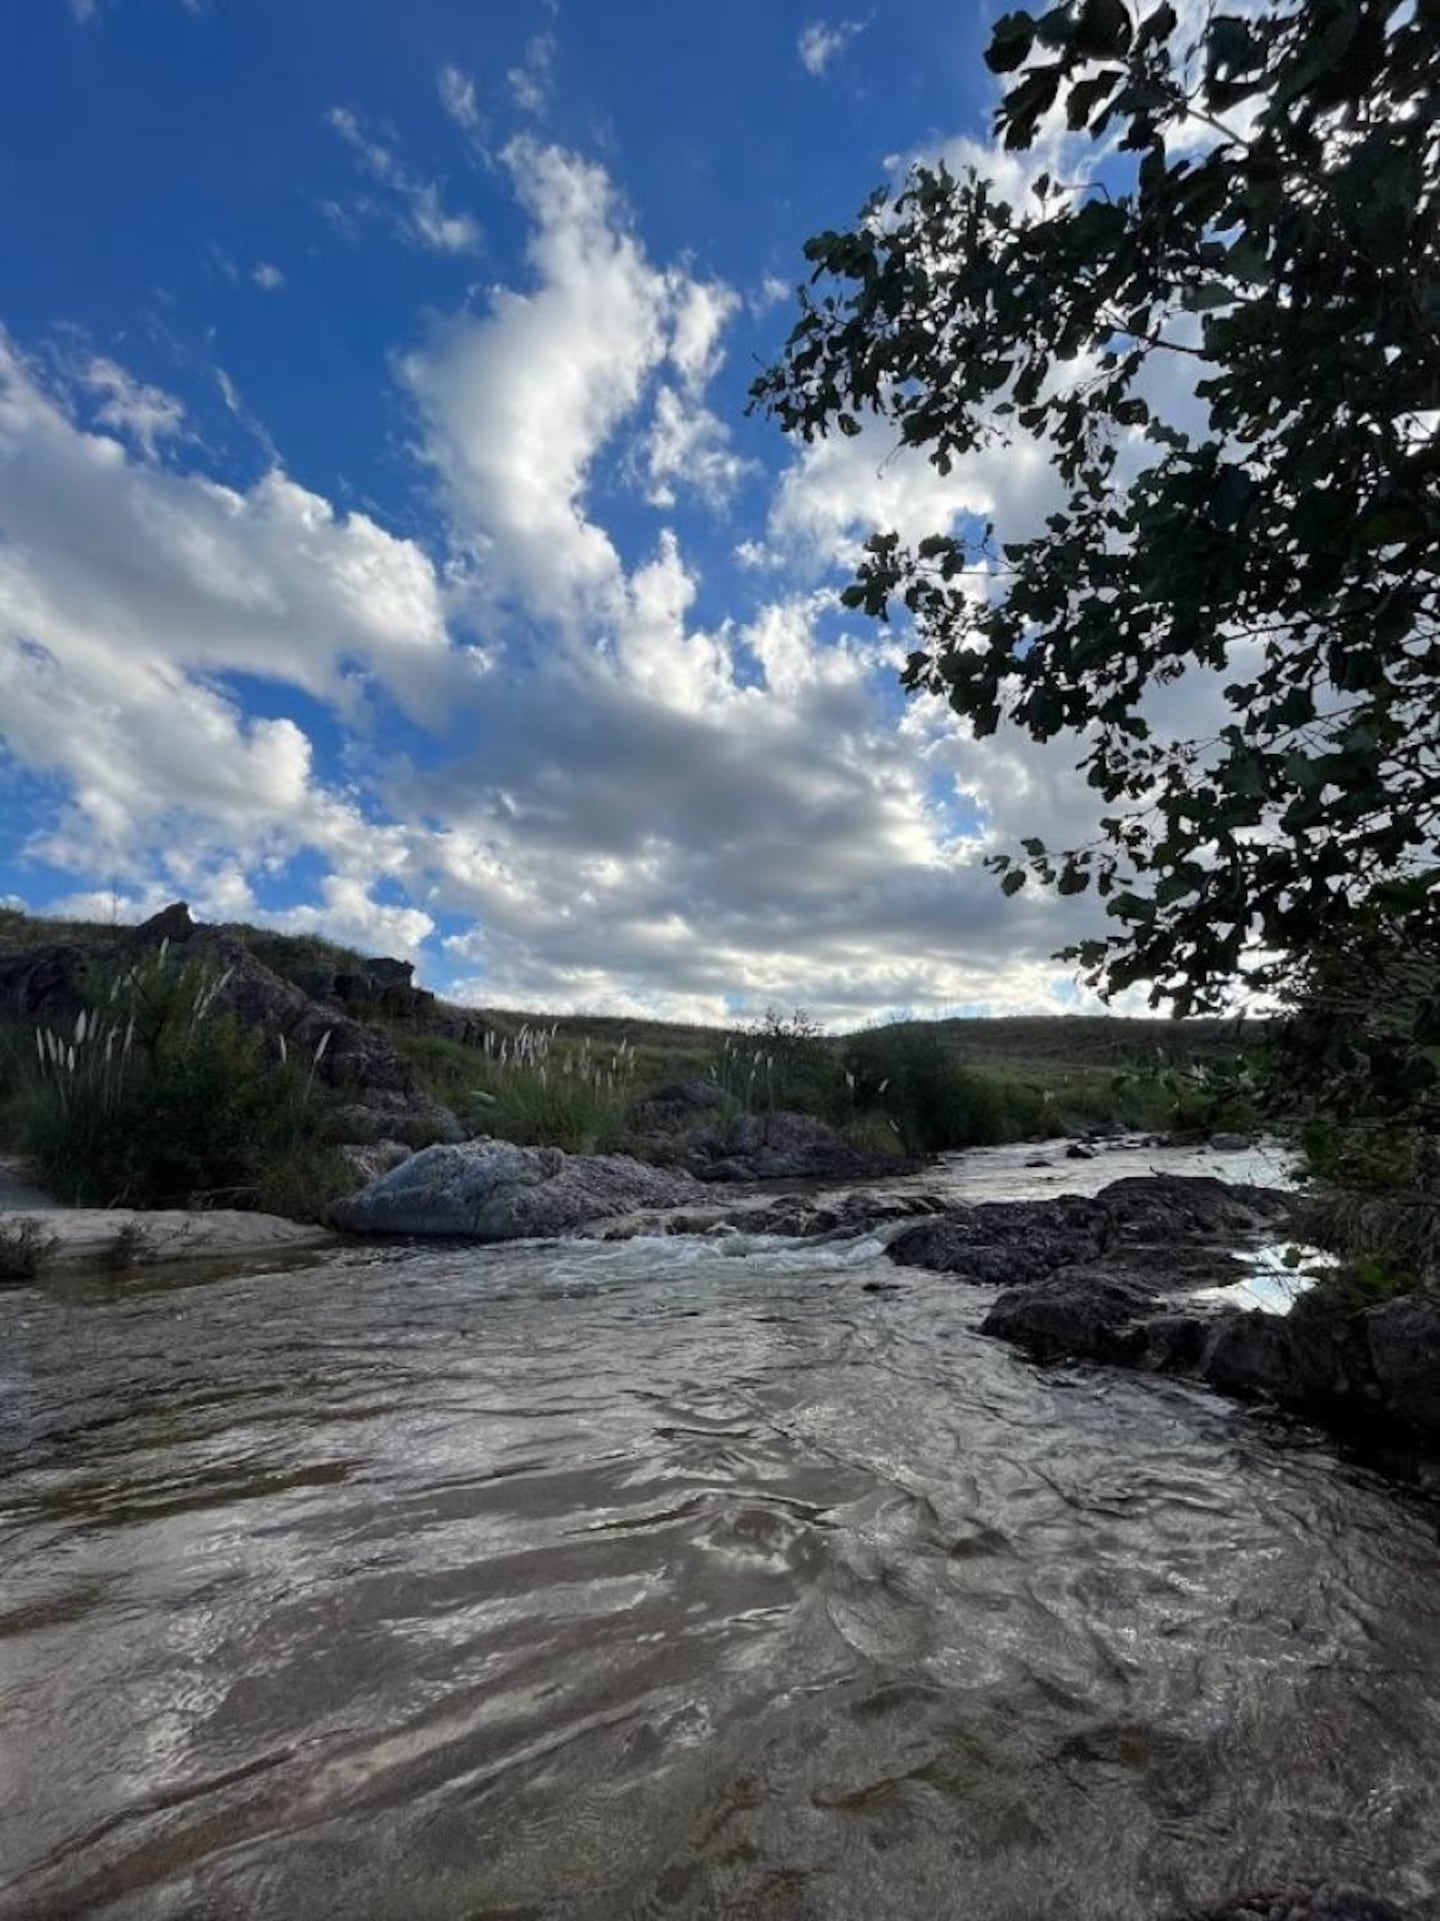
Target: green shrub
155,1097
450,1070
934,1105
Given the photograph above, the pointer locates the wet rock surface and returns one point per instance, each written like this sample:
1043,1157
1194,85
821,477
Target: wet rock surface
1000,1243
112,1239
495,1191
1178,1228
1133,1278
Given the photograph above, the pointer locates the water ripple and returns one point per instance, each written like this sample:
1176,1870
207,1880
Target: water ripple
663,1580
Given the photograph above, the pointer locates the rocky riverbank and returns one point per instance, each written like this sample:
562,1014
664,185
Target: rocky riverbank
1138,1275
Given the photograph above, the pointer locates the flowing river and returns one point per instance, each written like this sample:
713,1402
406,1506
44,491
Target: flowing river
678,1578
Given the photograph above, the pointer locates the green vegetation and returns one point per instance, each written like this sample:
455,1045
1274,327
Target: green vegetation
294,956
154,1098
1221,333
527,1085
19,931
157,1096
941,1088
1263,241
912,1086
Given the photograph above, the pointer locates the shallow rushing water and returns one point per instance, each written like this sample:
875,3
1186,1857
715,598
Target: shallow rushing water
676,1579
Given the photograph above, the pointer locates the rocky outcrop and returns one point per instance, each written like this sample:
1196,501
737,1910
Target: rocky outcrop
172,923
495,1191
833,1217
999,1243
679,1106
1074,1314
1158,1209
791,1147
1133,1278
43,983
1403,1338
1371,1370
359,1061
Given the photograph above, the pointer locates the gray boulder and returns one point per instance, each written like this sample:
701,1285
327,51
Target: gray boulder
495,1191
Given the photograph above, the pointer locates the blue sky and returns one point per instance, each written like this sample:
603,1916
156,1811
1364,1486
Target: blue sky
384,549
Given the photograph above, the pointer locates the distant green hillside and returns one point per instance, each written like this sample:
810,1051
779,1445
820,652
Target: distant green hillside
1032,1042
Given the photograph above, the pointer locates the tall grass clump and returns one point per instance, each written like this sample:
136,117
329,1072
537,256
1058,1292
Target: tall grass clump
156,1096
783,1062
540,1092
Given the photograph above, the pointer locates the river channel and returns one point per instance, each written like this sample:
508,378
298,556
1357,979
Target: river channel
678,1578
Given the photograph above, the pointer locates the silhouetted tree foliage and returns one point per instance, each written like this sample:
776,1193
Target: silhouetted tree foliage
1258,237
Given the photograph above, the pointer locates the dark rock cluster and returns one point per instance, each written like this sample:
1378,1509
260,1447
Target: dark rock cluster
1129,1279
383,1098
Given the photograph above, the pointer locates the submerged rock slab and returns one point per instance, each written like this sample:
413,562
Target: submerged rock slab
49,1238
495,1191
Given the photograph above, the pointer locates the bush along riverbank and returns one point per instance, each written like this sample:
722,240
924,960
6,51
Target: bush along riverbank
180,1065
